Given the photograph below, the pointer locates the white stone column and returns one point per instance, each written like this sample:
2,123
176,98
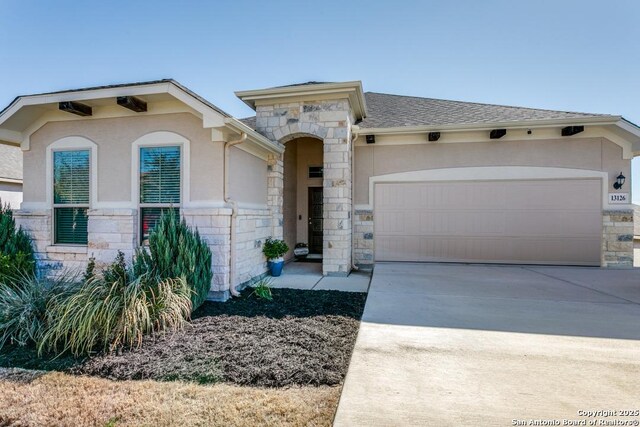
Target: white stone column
363,237
275,194
337,203
328,120
617,238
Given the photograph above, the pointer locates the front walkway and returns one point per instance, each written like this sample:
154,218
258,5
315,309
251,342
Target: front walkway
308,275
480,345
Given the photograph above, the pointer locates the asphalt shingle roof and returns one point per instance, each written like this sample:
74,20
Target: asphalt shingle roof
10,162
249,121
388,111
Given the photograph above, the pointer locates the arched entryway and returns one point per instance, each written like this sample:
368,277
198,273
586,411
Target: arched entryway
328,123
303,194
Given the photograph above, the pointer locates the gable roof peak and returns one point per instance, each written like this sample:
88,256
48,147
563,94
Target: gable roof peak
309,83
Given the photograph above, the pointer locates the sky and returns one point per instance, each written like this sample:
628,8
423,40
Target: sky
560,54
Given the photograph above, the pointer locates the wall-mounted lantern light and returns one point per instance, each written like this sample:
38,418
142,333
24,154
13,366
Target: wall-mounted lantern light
619,182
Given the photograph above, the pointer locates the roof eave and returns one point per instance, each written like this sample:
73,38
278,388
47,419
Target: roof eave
84,94
211,115
351,89
10,180
520,124
255,137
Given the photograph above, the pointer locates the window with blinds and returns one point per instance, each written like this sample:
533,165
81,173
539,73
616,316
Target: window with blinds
159,185
71,182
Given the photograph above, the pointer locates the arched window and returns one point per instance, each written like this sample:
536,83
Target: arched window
71,163
159,160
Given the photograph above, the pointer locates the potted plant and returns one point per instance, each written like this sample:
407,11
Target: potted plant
274,249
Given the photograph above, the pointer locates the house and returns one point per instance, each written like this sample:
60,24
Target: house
360,177
636,235
10,176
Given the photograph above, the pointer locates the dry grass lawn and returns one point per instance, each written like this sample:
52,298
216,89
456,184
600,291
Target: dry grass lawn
59,399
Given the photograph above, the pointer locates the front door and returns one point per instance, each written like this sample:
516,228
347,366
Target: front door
315,220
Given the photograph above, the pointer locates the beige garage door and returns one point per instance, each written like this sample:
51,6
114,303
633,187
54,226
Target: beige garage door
529,222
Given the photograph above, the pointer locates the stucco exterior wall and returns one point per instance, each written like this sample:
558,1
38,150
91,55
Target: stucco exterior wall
114,138
404,155
407,153
11,193
247,178
114,225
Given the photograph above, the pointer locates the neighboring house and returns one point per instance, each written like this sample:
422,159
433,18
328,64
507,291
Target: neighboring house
359,177
10,176
636,235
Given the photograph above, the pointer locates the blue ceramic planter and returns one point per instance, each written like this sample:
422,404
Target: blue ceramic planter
275,267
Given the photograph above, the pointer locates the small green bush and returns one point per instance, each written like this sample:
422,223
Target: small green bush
274,248
177,251
23,307
114,310
16,250
110,309
262,289
90,271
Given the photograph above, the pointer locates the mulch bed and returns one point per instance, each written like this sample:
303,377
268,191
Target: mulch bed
299,338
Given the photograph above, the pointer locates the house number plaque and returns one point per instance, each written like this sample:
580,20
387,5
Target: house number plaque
618,197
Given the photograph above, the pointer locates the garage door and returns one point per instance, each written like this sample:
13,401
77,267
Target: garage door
529,222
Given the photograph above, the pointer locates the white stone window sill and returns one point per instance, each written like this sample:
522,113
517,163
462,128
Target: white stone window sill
67,249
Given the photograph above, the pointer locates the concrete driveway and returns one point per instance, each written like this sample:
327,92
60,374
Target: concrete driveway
480,345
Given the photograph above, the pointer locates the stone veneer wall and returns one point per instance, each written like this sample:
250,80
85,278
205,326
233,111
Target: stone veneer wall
38,225
330,121
51,259
254,226
275,194
617,238
111,230
214,227
363,237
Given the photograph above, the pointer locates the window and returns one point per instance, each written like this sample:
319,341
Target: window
159,185
315,171
70,196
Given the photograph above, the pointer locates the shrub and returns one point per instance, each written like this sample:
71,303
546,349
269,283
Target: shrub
262,289
177,251
16,250
23,303
90,271
274,248
114,310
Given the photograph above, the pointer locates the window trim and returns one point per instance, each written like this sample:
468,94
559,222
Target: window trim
55,205
71,143
158,140
161,205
